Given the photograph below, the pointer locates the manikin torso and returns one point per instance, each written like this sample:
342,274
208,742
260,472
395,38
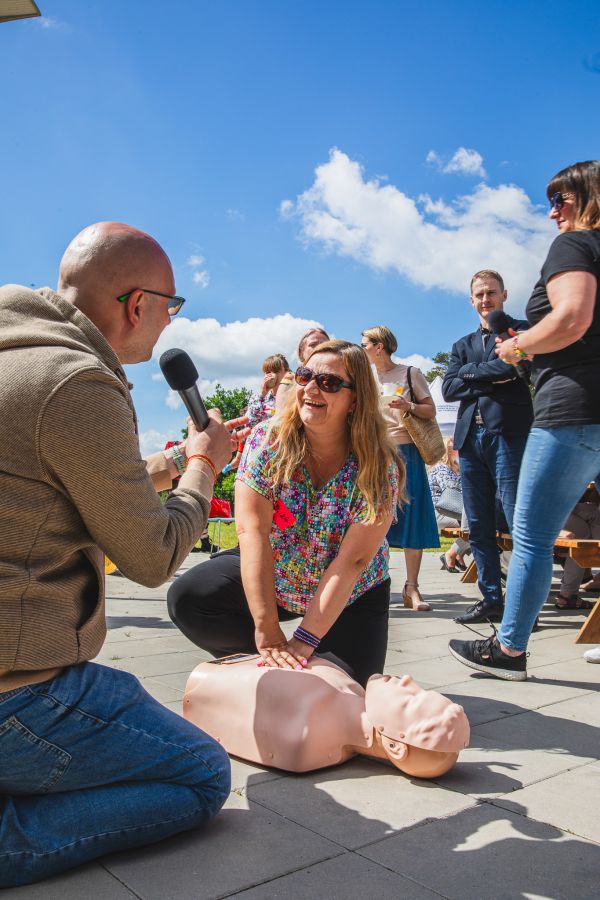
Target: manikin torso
301,721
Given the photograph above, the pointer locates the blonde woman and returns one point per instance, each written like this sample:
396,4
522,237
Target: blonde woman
416,527
316,493
447,474
277,378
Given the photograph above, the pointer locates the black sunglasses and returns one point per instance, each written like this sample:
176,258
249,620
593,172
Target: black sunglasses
326,381
173,306
558,200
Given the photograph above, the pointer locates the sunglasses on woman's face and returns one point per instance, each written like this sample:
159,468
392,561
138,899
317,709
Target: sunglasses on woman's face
558,200
326,381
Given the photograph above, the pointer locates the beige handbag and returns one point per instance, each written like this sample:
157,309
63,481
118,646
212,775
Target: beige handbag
425,433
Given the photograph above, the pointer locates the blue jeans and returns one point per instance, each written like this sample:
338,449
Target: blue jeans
557,467
489,464
90,763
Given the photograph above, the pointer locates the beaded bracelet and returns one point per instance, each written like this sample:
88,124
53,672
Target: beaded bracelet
517,350
301,634
205,459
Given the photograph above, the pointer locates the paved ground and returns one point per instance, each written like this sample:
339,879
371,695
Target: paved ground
518,817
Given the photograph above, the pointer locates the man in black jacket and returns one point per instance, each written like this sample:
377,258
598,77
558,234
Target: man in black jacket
494,418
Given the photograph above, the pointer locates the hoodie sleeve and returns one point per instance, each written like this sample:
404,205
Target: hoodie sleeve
88,448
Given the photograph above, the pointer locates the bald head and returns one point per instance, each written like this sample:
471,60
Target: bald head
106,260
103,262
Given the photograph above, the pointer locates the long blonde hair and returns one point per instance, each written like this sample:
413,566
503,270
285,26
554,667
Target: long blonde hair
447,458
369,439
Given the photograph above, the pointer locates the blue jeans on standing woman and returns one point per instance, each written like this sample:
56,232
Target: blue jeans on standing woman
90,763
489,465
558,465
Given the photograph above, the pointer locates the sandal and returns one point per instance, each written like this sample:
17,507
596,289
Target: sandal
445,565
416,604
572,602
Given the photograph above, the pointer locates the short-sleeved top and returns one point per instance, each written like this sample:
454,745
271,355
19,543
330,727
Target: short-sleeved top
393,417
308,524
567,381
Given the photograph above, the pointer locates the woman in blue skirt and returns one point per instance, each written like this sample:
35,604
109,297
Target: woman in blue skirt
416,527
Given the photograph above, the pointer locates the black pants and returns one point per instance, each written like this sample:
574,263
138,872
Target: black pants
208,604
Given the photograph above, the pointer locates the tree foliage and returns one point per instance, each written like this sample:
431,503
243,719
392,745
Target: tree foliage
231,402
441,361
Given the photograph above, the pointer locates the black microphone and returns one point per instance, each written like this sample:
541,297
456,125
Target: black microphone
501,324
181,375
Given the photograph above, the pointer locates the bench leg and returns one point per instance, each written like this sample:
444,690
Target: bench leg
470,576
589,633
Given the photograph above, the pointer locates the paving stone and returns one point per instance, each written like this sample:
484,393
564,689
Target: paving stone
244,846
488,852
357,803
163,663
568,801
570,729
348,876
91,880
489,769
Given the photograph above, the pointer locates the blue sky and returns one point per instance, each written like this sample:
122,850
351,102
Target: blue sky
344,162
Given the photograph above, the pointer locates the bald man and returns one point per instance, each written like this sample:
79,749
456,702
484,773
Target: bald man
89,762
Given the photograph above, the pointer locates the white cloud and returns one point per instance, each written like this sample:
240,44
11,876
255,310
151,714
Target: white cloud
235,215
232,353
424,363
47,22
195,260
434,244
151,441
464,162
200,276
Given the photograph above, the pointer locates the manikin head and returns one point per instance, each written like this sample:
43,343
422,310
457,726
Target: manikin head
110,260
421,732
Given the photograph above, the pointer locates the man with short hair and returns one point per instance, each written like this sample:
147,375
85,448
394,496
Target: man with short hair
89,762
493,421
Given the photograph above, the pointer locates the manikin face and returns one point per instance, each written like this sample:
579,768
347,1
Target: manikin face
319,410
486,295
401,710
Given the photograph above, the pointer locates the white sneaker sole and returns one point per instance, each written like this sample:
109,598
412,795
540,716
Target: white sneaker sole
505,674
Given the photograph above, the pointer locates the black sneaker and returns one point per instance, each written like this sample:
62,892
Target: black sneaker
481,612
486,656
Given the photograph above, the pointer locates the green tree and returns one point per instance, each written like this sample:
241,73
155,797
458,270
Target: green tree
441,361
231,402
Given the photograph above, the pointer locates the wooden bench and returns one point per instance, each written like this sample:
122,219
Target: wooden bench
585,552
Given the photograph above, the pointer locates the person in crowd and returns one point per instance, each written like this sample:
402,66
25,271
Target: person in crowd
277,378
415,528
494,418
89,762
309,341
583,522
447,474
315,495
563,449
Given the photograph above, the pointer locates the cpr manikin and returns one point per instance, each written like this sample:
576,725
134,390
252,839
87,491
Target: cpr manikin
300,721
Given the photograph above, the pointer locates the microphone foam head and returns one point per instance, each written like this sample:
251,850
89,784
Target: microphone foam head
498,321
179,370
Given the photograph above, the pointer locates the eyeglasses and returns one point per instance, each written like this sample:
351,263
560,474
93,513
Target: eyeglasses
558,200
326,381
173,306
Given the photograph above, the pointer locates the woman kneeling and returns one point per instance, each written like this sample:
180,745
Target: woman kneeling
315,495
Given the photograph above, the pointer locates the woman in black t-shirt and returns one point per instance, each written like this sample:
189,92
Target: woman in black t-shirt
563,449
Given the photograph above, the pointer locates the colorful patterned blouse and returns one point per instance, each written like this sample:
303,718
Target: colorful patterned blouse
260,408
309,525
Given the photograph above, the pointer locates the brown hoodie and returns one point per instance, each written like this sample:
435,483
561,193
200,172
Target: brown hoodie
72,486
